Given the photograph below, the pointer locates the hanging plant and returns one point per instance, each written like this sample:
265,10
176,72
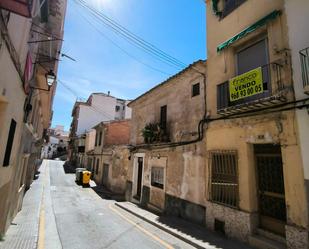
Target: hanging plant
152,133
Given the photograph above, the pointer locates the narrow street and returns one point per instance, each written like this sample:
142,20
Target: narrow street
76,217
57,213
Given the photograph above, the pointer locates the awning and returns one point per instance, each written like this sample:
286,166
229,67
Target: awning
249,29
19,7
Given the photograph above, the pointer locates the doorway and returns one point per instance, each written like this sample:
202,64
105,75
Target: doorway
138,176
105,174
271,194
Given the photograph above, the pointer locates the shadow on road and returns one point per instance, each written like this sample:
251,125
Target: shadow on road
68,168
106,194
199,232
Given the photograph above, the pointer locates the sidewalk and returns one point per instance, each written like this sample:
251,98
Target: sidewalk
194,235
23,232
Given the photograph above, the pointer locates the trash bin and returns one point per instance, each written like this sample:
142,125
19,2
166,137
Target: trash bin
78,174
86,177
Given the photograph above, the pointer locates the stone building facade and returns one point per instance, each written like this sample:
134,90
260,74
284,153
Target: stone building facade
167,170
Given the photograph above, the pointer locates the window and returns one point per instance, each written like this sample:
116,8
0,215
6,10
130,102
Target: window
117,108
100,138
163,117
223,95
196,89
44,11
230,5
304,58
9,144
157,177
247,59
123,108
97,167
93,166
224,178
96,139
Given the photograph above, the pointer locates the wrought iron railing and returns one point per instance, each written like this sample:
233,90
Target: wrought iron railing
304,59
272,84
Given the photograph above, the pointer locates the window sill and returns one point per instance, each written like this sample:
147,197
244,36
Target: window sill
225,205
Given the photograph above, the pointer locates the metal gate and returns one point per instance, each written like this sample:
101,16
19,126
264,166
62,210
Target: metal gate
271,196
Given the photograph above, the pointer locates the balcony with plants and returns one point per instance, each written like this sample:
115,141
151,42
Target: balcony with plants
155,133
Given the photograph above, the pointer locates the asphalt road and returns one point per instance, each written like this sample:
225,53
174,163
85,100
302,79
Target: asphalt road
73,217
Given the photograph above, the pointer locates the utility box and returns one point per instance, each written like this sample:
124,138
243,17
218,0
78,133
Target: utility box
86,177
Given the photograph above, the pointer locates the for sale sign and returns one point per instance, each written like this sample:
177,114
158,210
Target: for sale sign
247,84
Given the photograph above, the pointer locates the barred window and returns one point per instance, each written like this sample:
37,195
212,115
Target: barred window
224,178
157,177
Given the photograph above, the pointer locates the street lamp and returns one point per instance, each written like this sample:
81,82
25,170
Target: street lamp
50,79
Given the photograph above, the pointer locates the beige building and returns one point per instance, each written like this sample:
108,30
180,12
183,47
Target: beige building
168,152
25,111
255,186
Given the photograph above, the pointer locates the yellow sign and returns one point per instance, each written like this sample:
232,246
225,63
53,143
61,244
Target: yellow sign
246,84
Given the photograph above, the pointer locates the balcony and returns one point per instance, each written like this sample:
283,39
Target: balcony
304,59
155,133
269,92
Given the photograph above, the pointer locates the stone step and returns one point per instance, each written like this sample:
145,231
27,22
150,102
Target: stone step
262,242
154,209
271,235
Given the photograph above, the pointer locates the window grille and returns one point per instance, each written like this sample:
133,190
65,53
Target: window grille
157,177
224,178
117,108
196,89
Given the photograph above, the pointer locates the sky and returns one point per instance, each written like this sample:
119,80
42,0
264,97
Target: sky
107,62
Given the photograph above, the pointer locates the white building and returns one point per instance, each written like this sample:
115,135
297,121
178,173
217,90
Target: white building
99,107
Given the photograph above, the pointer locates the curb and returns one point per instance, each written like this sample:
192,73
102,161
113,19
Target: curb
175,234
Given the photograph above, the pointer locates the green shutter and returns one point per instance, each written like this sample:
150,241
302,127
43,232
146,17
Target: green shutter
215,7
249,29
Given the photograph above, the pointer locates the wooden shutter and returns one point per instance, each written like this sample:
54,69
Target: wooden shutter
9,144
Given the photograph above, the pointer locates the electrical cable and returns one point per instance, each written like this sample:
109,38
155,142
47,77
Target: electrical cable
116,26
123,50
132,38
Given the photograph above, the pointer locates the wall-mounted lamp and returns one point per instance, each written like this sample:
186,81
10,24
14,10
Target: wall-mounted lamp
50,79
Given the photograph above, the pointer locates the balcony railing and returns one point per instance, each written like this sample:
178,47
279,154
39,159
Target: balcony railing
271,94
304,59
